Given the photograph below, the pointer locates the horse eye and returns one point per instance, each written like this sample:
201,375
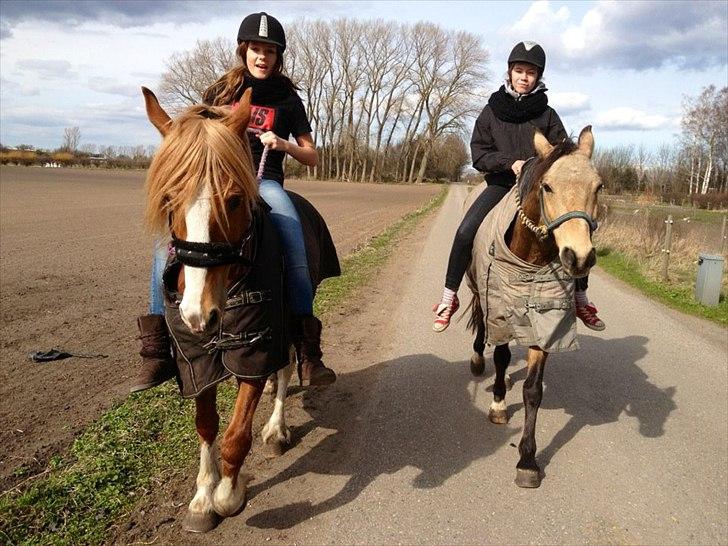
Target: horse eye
600,187
234,202
547,188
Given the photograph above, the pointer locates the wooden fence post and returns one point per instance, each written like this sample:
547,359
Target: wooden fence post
666,247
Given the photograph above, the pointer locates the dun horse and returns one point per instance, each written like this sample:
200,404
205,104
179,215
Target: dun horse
521,275
202,191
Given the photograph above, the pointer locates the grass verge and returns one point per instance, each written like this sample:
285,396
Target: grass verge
130,448
678,297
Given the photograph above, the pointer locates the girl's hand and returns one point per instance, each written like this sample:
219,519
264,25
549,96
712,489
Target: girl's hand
270,139
517,166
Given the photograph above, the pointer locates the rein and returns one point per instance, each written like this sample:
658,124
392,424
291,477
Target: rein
546,227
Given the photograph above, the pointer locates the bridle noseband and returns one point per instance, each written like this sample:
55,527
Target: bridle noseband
213,254
546,227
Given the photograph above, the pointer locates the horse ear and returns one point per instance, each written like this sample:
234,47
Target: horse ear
155,113
543,147
240,117
586,141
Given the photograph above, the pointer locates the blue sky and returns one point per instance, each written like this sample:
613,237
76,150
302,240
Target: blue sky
623,67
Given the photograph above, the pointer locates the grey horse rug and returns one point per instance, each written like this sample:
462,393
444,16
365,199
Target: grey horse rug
531,305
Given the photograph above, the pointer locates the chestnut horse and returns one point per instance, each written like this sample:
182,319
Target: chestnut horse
563,186
202,190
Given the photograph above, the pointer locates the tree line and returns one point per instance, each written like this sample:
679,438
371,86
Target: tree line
693,170
386,101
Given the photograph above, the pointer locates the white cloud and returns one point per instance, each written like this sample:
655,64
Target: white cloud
113,86
624,118
46,68
569,103
634,35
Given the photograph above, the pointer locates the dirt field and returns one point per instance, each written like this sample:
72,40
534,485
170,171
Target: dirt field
74,266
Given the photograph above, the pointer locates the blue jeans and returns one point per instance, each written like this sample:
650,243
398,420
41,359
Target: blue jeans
156,290
285,218
288,224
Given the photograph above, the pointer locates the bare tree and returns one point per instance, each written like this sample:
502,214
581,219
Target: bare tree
71,138
705,126
380,97
189,73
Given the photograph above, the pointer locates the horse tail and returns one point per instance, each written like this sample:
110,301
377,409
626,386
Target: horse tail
476,313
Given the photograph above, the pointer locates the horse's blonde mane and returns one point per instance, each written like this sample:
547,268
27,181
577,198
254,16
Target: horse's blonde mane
198,149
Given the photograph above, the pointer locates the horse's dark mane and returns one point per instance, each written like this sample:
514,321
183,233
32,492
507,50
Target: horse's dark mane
565,147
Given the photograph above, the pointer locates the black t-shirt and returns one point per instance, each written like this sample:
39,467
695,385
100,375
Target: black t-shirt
286,117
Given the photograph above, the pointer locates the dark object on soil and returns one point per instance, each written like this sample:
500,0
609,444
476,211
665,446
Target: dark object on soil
56,354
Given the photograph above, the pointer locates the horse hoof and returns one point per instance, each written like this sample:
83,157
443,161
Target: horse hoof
275,448
477,364
509,382
527,478
498,417
196,522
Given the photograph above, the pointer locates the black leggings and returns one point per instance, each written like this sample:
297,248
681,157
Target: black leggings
462,246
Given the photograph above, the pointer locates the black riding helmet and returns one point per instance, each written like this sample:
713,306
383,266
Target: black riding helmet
528,52
261,27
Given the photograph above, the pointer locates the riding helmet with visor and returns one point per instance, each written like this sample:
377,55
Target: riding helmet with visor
261,27
528,52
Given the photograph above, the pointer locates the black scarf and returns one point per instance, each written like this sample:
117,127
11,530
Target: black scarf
270,90
506,108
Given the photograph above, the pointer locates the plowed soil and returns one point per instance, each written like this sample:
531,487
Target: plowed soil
74,268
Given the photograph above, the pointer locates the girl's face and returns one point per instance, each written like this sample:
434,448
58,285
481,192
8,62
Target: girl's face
261,59
523,77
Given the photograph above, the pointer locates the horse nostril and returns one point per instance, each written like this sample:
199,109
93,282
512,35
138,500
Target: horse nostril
568,257
591,258
213,316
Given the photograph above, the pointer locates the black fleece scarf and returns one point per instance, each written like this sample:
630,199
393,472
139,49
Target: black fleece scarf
529,107
270,90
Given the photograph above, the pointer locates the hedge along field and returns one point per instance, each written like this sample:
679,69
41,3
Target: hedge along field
630,240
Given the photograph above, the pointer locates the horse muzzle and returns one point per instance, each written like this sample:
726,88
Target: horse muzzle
196,319
575,265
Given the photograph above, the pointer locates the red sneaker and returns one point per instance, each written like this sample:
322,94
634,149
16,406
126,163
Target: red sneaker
588,315
443,314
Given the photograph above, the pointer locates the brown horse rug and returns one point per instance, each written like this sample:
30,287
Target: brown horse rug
528,304
252,337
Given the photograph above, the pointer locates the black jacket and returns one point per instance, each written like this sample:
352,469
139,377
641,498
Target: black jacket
497,144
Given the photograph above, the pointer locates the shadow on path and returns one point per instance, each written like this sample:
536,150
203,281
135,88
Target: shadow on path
596,385
416,411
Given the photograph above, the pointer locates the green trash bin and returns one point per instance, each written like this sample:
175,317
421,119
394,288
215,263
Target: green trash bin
710,273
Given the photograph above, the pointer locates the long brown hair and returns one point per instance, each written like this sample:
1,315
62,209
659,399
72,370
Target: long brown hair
229,87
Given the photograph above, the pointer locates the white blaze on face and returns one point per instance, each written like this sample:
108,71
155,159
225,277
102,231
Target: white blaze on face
197,219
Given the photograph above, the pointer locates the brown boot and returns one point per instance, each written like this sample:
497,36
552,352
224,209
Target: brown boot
157,364
307,338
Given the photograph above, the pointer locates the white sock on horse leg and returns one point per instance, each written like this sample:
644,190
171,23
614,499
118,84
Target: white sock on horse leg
447,296
581,298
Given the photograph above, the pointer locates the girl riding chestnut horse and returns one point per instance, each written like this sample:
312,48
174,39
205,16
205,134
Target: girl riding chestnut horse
276,113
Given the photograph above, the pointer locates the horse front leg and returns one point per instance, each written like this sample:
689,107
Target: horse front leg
276,435
477,361
201,516
528,474
229,497
498,411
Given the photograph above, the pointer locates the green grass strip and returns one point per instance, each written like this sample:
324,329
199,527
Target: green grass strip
678,297
140,440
